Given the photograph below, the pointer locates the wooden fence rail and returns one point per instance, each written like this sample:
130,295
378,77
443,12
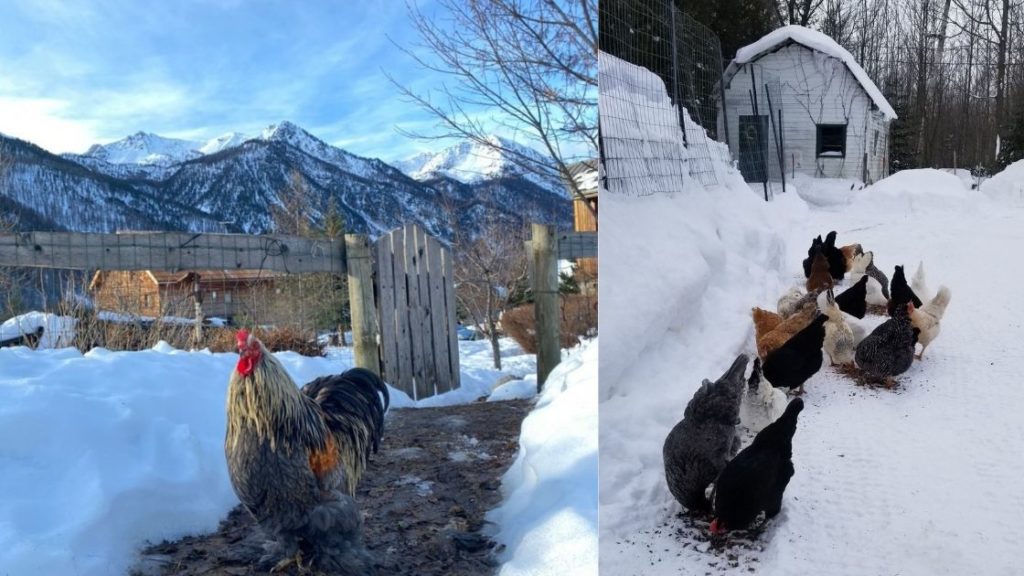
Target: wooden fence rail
171,251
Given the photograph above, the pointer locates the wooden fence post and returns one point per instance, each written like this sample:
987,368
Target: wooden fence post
547,306
360,294
197,296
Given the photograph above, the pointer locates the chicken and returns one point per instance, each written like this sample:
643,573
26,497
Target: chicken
754,481
919,285
764,321
793,301
901,292
786,330
698,447
816,245
854,300
836,260
799,358
839,342
889,350
874,294
295,457
878,275
820,278
851,251
762,403
927,318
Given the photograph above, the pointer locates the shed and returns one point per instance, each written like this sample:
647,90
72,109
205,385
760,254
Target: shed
584,220
834,119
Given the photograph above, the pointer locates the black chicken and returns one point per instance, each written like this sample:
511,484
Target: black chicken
698,447
854,300
753,482
836,260
816,244
901,292
798,359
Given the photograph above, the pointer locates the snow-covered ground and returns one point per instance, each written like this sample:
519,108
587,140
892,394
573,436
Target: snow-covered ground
548,522
921,481
103,451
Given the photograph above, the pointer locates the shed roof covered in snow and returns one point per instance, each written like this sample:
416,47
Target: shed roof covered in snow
815,41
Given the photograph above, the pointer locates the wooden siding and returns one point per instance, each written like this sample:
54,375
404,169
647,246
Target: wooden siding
815,89
129,292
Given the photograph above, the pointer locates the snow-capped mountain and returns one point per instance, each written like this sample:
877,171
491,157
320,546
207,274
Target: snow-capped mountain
144,148
473,162
231,182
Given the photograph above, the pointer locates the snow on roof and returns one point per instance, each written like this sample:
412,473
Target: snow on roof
815,41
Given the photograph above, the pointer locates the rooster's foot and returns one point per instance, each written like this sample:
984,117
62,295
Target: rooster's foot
287,562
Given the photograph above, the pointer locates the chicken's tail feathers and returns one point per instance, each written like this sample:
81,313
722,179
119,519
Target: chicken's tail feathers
354,404
940,301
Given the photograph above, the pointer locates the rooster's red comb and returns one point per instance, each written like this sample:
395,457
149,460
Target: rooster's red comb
243,337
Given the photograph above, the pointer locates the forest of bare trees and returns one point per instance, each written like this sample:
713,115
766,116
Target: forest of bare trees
952,69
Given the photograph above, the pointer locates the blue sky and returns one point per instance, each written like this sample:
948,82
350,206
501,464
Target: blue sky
77,72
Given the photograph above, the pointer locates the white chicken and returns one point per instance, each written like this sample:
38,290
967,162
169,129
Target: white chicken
762,403
840,343
919,285
875,295
928,318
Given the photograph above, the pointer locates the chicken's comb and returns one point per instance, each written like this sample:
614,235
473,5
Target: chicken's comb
243,337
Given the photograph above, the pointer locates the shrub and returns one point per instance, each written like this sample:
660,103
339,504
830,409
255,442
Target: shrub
579,319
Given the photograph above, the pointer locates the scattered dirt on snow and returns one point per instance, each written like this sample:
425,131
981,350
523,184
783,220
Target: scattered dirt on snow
423,498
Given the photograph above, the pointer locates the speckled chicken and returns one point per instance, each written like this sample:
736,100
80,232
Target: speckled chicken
793,301
878,275
698,447
889,350
874,294
799,358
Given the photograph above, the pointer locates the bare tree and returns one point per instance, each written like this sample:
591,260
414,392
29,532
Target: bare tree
530,65
490,268
796,11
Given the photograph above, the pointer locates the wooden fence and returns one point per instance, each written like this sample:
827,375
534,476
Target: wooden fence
416,307
545,249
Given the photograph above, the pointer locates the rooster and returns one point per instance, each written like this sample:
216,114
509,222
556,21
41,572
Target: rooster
295,457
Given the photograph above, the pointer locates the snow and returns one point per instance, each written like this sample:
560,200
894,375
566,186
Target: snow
472,162
104,451
58,331
920,481
548,521
1007,185
815,41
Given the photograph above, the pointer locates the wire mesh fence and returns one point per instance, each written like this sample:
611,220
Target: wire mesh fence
660,76
757,122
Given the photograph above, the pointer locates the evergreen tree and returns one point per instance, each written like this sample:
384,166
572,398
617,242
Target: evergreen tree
334,220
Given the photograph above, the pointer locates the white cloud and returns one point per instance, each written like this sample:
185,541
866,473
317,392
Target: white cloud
43,122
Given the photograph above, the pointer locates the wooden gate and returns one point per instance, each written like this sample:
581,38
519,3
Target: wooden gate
419,346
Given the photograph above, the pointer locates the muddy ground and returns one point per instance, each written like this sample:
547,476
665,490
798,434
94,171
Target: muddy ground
423,499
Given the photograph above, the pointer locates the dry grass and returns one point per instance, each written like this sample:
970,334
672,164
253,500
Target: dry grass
579,318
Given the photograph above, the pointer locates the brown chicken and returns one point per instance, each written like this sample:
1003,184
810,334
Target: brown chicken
786,330
820,278
764,321
851,251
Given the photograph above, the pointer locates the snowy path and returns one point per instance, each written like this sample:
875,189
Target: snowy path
924,480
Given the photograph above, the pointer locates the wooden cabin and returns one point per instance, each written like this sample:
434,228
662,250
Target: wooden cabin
584,220
799,87
223,293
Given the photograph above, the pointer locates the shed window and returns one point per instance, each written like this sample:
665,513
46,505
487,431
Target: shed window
832,140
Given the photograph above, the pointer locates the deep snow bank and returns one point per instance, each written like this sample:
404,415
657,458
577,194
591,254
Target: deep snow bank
103,451
548,521
58,331
1008,185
